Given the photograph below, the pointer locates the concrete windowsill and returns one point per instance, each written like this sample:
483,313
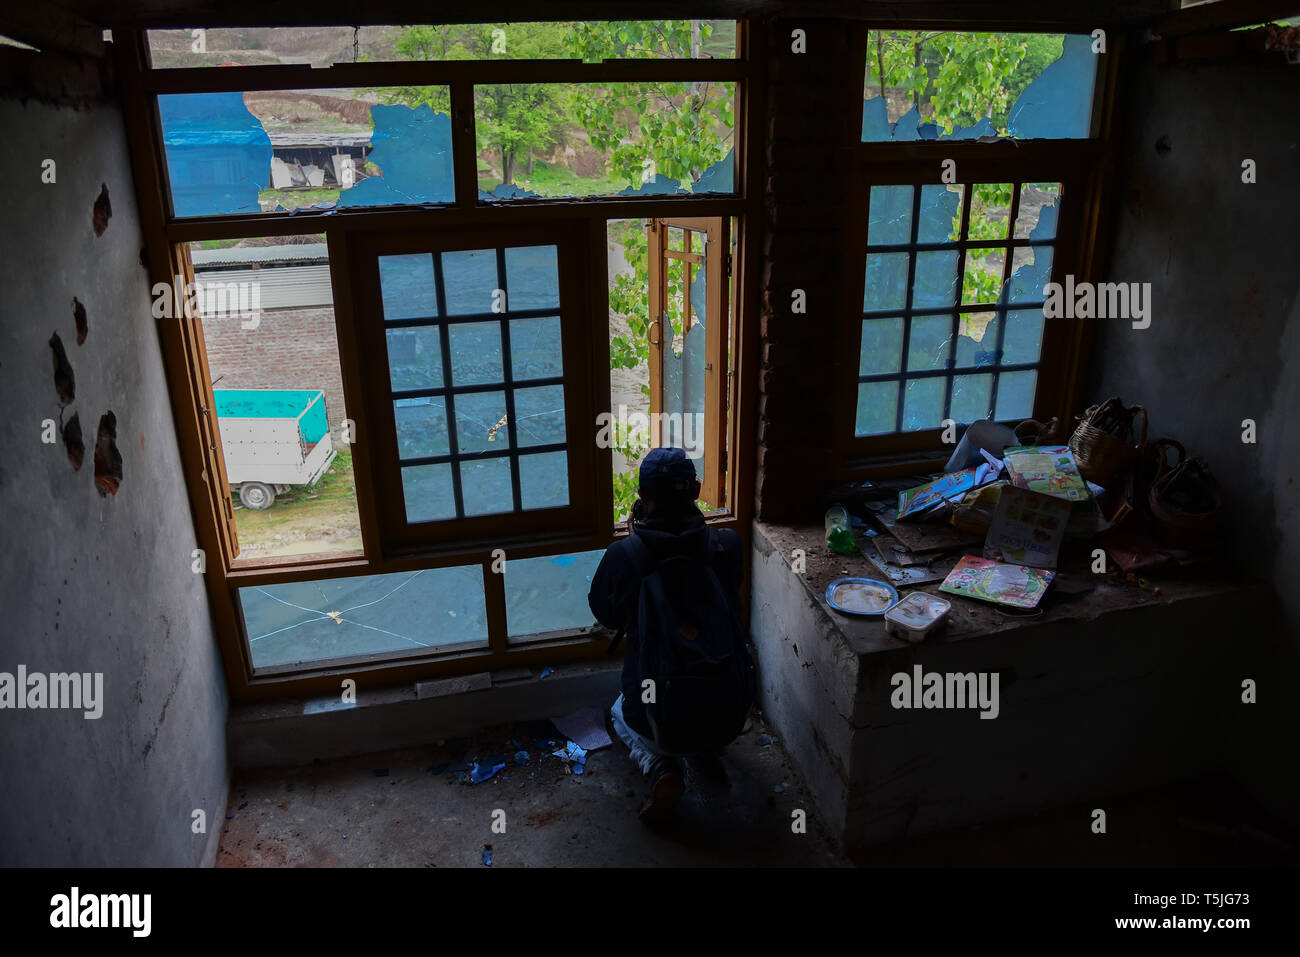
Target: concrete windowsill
971,618
1110,691
296,731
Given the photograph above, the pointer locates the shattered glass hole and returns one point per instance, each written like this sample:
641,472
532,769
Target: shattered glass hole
1035,200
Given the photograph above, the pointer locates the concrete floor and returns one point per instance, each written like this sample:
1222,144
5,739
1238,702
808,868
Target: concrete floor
389,810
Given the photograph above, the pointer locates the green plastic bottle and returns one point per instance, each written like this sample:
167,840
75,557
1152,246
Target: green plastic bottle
839,532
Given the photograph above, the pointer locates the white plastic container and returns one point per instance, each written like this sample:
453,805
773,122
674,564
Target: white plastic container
917,616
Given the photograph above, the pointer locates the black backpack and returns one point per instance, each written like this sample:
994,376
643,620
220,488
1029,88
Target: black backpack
693,648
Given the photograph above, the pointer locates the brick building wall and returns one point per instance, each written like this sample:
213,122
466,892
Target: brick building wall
291,349
813,106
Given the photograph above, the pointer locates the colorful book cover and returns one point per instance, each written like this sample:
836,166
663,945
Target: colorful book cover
1049,469
915,501
1016,585
1027,528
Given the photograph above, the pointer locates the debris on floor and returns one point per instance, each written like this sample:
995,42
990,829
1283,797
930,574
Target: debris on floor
586,726
574,757
485,768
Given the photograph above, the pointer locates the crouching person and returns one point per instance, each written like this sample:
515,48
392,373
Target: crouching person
672,590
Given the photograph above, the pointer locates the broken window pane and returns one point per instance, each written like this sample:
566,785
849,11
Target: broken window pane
218,154
940,214
421,427
407,283
1016,395
1037,213
1023,341
877,407
480,421
923,404
549,593
982,278
495,410
539,415
544,479
936,279
927,346
312,621
927,85
535,348
325,46
261,151
469,280
886,286
984,334
890,216
615,139
977,337
428,493
414,358
990,211
970,397
475,352
882,341
1031,271
266,309
485,483
533,278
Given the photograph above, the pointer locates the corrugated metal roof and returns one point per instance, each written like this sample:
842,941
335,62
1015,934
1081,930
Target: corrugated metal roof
308,139
261,255
283,287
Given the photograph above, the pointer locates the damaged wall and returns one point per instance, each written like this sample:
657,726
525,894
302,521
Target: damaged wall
1222,257
803,237
95,573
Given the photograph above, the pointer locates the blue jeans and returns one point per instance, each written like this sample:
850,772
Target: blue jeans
650,759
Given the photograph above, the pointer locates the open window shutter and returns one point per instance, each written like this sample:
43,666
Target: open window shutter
688,361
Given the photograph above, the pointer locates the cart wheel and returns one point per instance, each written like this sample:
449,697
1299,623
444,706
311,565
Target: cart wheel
255,495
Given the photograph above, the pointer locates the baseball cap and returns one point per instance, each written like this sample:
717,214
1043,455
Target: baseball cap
667,473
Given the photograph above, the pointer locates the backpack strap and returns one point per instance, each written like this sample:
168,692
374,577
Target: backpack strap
643,563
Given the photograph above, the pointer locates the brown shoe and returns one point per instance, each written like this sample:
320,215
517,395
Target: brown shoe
664,794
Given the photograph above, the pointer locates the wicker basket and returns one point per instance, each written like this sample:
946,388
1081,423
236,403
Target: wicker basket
1101,455
1179,526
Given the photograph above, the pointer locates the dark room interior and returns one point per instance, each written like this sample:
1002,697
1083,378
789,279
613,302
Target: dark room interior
340,543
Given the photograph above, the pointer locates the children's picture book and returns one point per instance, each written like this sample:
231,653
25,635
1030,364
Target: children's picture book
1049,469
1004,584
914,502
1027,528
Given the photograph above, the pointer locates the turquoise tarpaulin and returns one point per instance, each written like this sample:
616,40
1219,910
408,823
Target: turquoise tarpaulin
277,404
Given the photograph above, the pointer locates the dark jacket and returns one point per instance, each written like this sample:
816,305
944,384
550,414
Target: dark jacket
617,584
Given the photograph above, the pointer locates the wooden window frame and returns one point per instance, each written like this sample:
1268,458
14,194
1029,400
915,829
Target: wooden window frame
346,232
715,263
1081,167
583,514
